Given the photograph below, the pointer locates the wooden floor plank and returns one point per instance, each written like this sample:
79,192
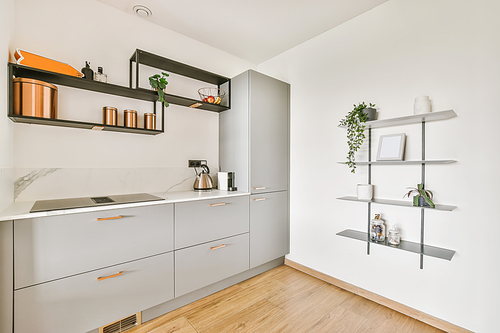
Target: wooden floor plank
385,320
420,327
340,320
360,306
179,325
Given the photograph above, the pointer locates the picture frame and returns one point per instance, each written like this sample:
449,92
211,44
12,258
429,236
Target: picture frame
391,147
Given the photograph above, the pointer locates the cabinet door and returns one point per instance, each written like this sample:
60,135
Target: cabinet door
269,227
49,248
82,303
201,265
269,109
207,220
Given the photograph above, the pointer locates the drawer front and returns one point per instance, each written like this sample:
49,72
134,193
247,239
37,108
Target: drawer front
207,220
82,303
53,247
202,265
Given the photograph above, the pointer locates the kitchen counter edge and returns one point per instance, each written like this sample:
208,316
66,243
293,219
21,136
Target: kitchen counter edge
20,210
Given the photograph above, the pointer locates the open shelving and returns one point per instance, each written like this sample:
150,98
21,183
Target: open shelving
420,248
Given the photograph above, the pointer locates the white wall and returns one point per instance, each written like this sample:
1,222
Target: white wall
6,126
448,50
74,31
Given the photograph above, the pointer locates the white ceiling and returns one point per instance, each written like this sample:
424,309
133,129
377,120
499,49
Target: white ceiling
255,30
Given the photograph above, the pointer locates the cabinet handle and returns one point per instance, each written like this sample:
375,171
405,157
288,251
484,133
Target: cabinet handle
218,247
259,199
218,204
260,188
109,218
109,276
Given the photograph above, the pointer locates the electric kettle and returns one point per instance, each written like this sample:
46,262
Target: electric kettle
203,181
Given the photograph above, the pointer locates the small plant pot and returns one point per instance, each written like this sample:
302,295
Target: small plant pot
371,112
364,192
419,201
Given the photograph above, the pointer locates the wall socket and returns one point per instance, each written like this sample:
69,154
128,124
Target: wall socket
196,163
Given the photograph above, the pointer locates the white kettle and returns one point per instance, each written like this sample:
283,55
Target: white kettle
203,181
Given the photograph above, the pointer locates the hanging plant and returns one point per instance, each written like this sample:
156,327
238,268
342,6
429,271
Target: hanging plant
159,83
354,122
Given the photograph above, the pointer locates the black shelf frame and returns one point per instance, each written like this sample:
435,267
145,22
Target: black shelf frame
15,70
141,57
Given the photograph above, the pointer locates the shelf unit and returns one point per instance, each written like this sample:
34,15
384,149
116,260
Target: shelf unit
75,82
420,248
152,60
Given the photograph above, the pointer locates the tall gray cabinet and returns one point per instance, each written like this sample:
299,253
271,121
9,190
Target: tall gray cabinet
255,143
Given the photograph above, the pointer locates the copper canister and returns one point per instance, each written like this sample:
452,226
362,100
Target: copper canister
109,115
35,98
150,121
130,118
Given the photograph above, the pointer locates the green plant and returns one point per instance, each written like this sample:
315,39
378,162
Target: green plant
159,82
354,122
426,194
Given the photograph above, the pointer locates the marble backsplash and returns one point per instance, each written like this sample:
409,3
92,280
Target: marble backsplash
6,187
57,183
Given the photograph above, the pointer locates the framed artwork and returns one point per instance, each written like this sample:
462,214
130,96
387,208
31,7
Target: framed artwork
391,147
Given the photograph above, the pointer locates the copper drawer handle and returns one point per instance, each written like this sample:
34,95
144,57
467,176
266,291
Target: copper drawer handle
260,188
109,218
218,247
259,199
110,276
218,204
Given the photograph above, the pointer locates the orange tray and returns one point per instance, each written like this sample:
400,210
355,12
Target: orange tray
34,60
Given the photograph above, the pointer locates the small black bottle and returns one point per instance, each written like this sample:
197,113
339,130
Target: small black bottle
88,73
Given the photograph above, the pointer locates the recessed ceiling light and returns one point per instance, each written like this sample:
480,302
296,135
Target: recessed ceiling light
142,11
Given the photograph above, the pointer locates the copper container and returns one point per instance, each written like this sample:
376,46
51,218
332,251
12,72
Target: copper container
109,115
130,118
35,98
150,121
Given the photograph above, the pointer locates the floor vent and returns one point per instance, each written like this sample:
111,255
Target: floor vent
122,325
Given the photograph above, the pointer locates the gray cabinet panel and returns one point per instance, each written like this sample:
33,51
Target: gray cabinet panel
269,227
207,220
269,107
202,265
54,247
82,303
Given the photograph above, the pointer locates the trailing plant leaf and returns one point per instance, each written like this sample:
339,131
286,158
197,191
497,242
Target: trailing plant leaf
159,83
354,122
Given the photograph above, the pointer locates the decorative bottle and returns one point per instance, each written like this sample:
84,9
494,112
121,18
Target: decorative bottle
100,76
88,73
377,229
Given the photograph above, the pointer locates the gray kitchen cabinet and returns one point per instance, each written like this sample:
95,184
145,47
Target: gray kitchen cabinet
83,302
201,265
269,227
54,247
202,221
254,134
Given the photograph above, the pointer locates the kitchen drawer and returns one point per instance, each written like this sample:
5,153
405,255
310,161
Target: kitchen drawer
207,220
49,248
82,303
202,265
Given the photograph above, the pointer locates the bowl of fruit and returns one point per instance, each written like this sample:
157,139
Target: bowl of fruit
211,95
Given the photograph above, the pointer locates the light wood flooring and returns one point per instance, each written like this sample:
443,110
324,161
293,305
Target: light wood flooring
283,300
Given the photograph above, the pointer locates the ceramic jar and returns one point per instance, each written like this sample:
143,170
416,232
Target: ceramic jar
364,192
422,105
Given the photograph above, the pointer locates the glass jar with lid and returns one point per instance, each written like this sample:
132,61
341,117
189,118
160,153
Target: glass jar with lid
393,238
377,229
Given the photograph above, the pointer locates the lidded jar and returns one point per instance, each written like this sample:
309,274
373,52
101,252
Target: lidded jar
393,238
377,229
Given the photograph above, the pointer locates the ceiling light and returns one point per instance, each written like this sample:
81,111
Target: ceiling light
142,11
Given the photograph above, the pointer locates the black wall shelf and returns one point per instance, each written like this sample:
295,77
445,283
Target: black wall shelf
141,57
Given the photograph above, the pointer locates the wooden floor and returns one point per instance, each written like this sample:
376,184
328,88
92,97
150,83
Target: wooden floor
283,300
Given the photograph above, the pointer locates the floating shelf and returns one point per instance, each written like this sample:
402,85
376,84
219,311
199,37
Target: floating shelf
413,119
80,124
398,203
426,250
403,162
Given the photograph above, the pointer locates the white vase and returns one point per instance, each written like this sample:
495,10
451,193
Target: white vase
365,192
422,105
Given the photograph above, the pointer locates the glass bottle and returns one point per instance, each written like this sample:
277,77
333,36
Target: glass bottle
393,238
377,229
100,76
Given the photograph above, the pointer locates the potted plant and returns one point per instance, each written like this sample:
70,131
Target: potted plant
423,197
159,83
354,122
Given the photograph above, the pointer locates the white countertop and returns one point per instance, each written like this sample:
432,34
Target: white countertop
21,210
